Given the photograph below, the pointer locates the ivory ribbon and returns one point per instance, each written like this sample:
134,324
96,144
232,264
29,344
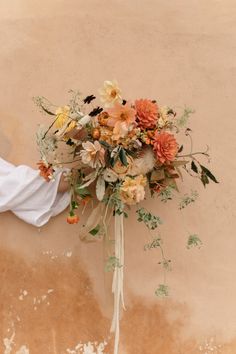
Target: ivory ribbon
118,276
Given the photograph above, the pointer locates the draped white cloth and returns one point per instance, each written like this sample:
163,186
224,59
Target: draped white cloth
28,195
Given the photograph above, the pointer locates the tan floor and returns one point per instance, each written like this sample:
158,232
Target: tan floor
54,294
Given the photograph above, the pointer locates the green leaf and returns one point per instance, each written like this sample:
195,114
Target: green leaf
209,174
104,143
112,263
150,220
183,119
194,167
194,241
74,205
123,157
94,231
155,243
113,160
204,179
162,290
188,199
82,192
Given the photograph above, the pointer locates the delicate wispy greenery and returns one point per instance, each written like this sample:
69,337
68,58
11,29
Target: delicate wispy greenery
150,220
155,243
47,145
112,263
188,199
183,119
167,193
194,241
162,290
166,264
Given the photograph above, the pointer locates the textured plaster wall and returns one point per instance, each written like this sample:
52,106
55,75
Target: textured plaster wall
180,52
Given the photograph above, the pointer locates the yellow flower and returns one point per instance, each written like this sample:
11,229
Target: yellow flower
110,93
132,189
62,119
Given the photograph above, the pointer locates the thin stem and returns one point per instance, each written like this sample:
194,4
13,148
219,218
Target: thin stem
194,153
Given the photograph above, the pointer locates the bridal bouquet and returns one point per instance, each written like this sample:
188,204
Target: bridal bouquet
127,150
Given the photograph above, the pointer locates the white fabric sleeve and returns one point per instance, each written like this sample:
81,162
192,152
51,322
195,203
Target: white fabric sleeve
28,195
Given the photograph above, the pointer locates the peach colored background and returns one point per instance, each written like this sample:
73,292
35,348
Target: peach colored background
180,52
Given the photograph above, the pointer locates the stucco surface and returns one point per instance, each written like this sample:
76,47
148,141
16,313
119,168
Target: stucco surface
179,52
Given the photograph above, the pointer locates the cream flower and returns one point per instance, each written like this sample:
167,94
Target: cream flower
110,93
92,154
132,189
163,116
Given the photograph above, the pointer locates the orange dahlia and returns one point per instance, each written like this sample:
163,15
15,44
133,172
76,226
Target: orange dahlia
147,113
165,146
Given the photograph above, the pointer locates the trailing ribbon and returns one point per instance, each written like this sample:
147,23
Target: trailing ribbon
118,276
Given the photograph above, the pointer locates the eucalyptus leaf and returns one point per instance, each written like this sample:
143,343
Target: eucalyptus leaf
82,192
123,158
100,188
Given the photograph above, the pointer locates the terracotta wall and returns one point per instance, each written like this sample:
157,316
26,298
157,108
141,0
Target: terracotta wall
53,292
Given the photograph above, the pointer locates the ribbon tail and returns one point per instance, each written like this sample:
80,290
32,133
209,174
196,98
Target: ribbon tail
118,278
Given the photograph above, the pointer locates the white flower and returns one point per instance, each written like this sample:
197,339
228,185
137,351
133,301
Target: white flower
163,118
110,93
92,154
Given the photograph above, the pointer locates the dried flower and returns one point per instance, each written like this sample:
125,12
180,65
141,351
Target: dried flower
96,133
132,189
110,93
103,118
72,218
92,154
46,170
147,113
165,146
